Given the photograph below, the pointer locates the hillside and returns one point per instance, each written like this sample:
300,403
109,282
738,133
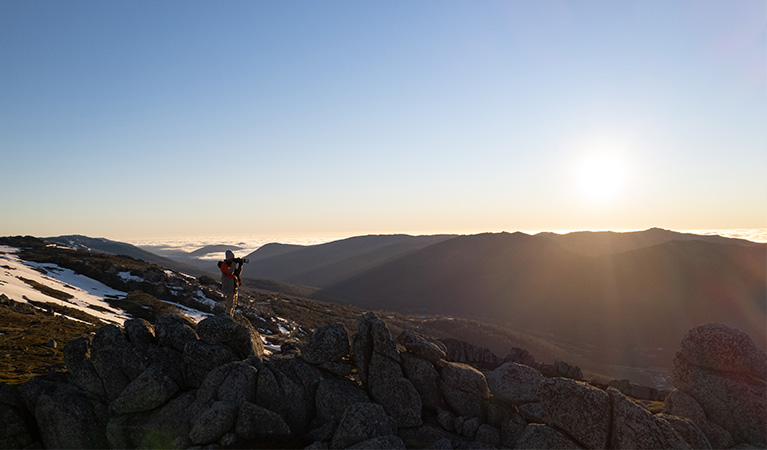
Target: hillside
622,306
323,264
606,311
50,295
102,245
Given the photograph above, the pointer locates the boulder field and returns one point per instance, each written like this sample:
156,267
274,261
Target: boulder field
174,384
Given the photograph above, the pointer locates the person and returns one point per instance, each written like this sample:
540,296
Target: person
231,268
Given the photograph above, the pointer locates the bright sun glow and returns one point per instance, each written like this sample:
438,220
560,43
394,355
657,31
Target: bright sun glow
601,178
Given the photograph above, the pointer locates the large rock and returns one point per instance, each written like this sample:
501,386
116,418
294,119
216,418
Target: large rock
464,352
327,344
544,437
391,441
288,386
721,368
721,348
400,400
736,403
210,425
636,427
488,436
236,333
682,405
425,378
115,360
77,358
174,331
378,362
373,337
563,369
464,388
334,395
201,357
14,432
430,349
139,332
150,390
240,383
69,419
208,390
687,430
169,360
108,337
579,409
254,421
511,431
515,383
383,343
164,427
360,422
362,346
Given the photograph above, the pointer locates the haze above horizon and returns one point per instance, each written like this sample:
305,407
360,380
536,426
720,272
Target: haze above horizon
136,120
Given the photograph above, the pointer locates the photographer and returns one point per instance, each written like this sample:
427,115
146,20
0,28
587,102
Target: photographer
231,268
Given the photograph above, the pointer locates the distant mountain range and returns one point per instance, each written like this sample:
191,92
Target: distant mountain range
325,264
102,245
613,297
625,294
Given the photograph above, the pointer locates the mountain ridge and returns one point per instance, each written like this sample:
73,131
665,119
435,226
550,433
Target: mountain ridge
512,279
296,264
103,245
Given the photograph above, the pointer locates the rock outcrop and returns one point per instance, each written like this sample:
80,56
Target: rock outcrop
721,369
175,384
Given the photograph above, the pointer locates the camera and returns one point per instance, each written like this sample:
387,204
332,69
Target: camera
242,260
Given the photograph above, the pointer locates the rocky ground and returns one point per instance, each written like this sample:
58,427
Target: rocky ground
290,372
177,384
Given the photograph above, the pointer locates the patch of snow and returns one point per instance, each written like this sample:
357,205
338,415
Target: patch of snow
202,298
270,348
87,293
175,290
284,325
127,276
194,314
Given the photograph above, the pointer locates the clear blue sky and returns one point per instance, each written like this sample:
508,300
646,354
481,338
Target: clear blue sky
130,119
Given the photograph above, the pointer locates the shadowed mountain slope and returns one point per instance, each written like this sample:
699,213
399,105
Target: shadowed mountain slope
625,303
324,264
216,248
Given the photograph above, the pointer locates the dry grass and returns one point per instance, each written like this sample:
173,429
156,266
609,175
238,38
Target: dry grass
25,335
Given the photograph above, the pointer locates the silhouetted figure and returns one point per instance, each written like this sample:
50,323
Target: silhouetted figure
231,268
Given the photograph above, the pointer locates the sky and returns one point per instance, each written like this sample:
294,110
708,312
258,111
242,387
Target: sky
145,119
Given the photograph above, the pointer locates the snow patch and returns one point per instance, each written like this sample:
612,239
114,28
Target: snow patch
88,295
270,348
195,315
202,298
127,276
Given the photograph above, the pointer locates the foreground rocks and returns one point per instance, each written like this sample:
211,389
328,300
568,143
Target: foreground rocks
176,384
720,377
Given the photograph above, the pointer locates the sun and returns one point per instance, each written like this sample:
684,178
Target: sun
601,178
